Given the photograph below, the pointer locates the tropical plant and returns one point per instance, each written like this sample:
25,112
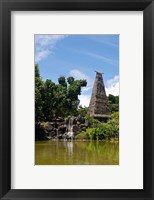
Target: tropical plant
56,100
101,131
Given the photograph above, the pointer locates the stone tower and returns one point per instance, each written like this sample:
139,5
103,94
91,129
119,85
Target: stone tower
98,107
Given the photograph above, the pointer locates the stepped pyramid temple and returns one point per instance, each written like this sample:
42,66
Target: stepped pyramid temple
98,107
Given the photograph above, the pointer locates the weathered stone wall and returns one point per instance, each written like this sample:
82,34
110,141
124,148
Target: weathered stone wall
57,128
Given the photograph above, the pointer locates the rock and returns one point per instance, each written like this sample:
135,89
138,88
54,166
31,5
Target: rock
62,129
60,136
53,133
60,119
57,128
51,123
63,123
66,120
86,124
84,128
82,125
81,120
75,120
48,128
64,136
76,129
40,133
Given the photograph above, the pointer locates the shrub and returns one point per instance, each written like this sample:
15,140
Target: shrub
82,136
99,131
92,122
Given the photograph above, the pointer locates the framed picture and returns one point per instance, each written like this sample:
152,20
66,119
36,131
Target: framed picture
76,99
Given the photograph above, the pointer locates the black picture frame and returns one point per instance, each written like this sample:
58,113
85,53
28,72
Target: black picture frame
6,6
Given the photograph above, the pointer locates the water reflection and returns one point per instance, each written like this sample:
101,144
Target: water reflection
69,147
76,153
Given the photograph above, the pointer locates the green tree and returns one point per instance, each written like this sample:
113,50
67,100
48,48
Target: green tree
39,90
73,90
70,80
82,111
56,100
113,103
37,72
49,100
62,81
111,99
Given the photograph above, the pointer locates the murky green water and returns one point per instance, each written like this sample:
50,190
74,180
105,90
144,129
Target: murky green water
76,153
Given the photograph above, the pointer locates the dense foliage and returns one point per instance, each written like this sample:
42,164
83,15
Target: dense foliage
39,92
99,131
113,103
56,100
82,111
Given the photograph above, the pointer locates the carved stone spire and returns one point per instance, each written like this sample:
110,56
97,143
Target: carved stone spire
98,107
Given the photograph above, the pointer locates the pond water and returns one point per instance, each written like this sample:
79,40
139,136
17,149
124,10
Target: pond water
76,153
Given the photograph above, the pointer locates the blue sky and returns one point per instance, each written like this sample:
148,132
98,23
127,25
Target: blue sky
79,56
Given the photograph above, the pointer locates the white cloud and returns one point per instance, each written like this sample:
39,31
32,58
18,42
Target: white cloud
44,45
106,42
112,86
39,55
84,100
111,61
80,75
85,89
109,43
101,57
